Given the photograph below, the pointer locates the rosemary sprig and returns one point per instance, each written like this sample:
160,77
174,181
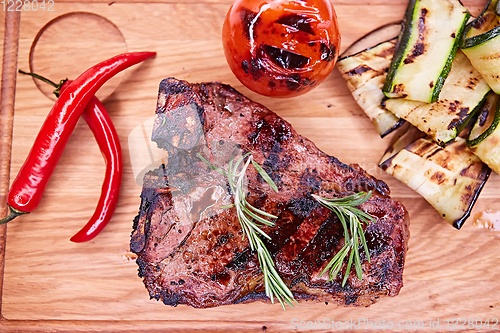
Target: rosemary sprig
251,219
346,211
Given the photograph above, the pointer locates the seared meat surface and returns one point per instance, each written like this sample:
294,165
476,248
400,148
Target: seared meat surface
190,248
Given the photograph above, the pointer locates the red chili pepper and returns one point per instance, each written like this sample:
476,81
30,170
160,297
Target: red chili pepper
104,131
28,187
105,134
102,127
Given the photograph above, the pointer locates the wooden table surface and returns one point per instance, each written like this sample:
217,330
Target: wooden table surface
50,283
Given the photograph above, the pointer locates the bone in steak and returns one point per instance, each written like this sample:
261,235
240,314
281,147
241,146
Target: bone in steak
191,251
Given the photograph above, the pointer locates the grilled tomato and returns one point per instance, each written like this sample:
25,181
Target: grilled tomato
281,48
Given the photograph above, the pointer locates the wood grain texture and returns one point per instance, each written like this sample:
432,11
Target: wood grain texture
51,284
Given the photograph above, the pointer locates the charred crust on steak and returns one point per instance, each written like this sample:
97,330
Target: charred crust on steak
181,233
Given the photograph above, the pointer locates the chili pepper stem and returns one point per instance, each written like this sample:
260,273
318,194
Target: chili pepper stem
58,87
12,215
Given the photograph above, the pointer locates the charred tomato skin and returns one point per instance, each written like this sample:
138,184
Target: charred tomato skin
281,48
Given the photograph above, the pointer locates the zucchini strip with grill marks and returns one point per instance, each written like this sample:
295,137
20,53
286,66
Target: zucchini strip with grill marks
426,48
449,178
484,138
481,44
461,96
364,67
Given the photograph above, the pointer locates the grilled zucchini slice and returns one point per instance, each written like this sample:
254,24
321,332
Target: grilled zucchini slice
365,74
481,44
449,178
461,96
484,138
426,47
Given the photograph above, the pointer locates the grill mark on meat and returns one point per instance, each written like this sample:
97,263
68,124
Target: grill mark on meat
240,261
209,263
289,222
303,206
325,243
310,179
290,257
268,133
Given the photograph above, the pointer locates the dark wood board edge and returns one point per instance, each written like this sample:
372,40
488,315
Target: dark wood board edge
7,98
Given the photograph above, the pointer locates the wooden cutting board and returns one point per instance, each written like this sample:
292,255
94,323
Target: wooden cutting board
50,283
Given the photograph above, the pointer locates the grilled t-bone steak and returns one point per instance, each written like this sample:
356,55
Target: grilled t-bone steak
190,248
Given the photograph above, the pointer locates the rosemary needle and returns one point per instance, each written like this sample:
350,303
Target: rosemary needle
352,219
251,219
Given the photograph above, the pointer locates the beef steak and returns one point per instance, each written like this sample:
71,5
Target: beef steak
190,248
